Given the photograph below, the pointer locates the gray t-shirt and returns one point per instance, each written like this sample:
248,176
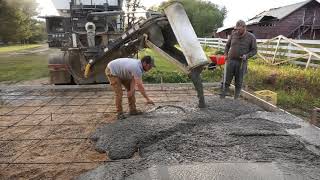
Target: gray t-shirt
126,68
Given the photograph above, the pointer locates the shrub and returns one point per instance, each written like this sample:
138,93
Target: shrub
158,76
212,76
219,52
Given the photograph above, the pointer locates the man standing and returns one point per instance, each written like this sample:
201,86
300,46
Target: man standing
128,72
241,45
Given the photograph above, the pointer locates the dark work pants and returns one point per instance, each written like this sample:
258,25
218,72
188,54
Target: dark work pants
236,69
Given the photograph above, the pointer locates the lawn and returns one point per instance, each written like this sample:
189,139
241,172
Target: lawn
14,48
167,72
298,89
21,68
29,67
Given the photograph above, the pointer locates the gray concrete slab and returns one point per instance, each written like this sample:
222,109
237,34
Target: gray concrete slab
216,171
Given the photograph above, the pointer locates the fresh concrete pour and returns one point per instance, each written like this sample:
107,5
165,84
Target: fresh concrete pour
230,139
195,76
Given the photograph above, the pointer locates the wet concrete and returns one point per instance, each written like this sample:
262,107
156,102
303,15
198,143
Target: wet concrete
294,126
226,133
222,171
195,77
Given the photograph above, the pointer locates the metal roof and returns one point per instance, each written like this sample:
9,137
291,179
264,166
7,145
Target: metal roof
224,28
278,13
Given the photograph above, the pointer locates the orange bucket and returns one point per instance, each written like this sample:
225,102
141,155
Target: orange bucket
218,59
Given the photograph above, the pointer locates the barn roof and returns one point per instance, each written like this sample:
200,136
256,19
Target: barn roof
275,13
278,13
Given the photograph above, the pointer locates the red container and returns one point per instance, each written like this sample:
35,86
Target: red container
218,59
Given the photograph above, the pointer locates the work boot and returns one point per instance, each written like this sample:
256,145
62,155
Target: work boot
120,116
135,112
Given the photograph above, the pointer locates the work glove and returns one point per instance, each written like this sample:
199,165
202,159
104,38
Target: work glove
87,69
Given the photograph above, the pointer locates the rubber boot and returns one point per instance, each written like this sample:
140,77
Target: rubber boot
202,103
237,93
224,93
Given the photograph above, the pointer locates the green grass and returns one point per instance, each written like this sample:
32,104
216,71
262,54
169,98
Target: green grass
21,68
165,71
161,63
297,89
13,48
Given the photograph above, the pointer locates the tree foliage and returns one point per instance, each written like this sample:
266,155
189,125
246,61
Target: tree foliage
38,29
204,16
131,7
17,20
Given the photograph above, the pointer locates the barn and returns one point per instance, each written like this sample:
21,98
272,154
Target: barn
297,21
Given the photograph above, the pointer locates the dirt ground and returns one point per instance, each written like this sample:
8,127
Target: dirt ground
45,130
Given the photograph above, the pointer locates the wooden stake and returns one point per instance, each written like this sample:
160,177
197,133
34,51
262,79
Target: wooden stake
275,52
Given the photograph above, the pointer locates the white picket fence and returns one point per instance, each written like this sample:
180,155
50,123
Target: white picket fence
279,50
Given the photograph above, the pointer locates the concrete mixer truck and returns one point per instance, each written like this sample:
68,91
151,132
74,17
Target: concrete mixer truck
91,33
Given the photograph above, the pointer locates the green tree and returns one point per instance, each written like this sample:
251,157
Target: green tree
38,29
8,20
204,16
16,19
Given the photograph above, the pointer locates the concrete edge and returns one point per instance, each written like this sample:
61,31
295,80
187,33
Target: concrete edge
95,86
267,106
